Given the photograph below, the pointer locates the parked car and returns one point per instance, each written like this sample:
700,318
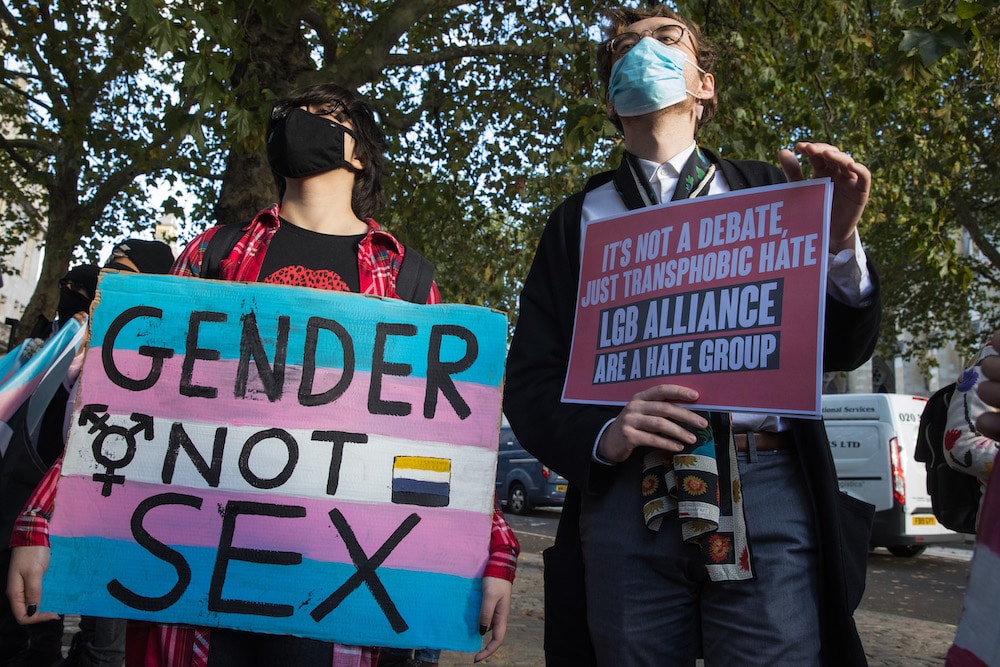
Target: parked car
522,481
872,438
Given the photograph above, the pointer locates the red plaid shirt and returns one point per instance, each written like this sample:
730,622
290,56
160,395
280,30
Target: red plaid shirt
379,257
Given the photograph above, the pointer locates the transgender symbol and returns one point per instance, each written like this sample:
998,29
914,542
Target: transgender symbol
93,413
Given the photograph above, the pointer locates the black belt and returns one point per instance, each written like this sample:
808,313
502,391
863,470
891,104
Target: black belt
765,441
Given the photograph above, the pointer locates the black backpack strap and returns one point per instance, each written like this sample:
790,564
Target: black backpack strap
219,247
414,278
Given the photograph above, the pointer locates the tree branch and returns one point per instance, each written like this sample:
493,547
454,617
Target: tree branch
968,222
40,64
166,139
471,51
372,51
120,45
11,75
191,171
30,144
10,147
311,17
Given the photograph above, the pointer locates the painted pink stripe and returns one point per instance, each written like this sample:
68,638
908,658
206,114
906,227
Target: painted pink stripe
446,541
347,413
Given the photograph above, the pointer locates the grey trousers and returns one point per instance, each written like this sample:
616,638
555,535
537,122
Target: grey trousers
650,602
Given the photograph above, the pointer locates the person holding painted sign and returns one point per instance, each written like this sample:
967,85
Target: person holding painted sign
27,451
326,150
766,562
101,641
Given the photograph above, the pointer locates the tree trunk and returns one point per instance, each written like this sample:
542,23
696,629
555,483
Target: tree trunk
277,57
55,263
247,187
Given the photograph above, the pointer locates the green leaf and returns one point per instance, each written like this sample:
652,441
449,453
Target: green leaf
969,10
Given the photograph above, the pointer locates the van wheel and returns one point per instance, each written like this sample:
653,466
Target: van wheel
906,550
517,499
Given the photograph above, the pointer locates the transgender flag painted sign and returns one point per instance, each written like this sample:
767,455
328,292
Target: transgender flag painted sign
283,460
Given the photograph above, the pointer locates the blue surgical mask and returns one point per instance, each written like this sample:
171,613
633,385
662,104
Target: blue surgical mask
648,78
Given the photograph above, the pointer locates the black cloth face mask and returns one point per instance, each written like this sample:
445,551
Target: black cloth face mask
303,144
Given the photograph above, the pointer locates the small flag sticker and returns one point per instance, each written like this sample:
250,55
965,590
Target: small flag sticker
421,480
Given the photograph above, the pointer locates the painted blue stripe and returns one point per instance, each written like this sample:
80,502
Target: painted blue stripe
178,297
441,611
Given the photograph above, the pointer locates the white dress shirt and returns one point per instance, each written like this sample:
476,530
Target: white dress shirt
848,280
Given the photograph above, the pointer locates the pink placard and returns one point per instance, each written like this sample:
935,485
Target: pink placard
724,294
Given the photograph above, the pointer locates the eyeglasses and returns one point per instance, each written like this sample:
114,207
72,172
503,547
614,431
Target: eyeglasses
666,34
335,109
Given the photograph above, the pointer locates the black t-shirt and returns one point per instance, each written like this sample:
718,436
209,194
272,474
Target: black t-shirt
297,256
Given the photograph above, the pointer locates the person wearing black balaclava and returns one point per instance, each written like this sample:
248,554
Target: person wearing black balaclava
76,291
22,469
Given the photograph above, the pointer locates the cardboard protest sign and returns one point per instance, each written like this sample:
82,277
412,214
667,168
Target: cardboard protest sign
281,459
724,294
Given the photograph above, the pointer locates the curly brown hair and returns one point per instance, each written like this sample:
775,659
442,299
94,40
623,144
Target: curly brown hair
622,17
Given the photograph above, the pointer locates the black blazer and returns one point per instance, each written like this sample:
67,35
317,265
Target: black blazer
561,435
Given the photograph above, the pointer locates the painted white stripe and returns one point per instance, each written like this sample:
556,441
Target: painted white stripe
422,475
366,471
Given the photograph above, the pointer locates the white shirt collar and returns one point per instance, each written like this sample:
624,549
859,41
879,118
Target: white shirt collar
663,177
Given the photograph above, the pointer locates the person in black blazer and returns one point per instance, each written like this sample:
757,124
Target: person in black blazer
617,591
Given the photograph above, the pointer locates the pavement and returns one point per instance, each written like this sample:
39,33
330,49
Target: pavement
889,640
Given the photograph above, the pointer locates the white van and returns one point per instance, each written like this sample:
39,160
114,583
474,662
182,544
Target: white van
872,438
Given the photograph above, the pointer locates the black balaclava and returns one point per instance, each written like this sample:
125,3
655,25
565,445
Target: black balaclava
72,302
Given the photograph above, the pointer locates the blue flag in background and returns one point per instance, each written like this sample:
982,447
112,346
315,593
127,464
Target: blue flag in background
35,378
